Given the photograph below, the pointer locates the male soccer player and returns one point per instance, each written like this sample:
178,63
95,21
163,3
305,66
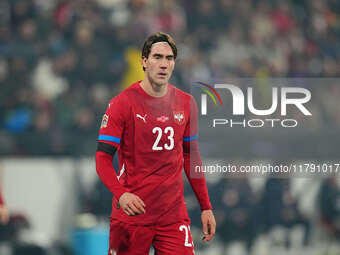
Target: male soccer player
153,126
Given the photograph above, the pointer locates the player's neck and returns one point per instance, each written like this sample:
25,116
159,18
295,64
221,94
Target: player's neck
154,90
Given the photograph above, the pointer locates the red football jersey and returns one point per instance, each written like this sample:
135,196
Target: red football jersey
149,133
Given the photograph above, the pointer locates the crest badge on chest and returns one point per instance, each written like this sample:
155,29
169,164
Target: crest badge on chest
179,117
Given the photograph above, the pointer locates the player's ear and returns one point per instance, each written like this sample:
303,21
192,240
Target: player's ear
144,59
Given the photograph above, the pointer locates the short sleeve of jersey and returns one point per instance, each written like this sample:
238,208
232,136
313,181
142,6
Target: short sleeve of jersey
112,125
191,129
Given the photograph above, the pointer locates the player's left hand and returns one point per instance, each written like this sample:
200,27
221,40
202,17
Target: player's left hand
209,225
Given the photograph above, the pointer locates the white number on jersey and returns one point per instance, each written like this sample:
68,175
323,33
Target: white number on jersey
159,131
186,230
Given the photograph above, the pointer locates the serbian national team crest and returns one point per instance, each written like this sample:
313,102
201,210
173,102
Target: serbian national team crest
179,117
104,121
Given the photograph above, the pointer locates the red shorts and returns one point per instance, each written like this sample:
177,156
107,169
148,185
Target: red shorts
173,239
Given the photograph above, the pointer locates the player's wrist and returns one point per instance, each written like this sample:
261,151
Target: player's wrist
118,193
206,209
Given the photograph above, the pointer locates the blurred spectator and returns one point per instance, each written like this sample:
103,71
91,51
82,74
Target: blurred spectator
279,207
170,18
329,202
235,210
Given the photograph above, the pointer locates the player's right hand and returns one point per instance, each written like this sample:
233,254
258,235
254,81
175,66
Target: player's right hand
131,204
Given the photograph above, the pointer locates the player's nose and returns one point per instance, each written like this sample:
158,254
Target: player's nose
164,64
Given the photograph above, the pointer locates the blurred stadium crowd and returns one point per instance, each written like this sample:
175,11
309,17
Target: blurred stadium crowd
61,61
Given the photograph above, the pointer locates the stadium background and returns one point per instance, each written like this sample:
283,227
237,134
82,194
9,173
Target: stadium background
60,63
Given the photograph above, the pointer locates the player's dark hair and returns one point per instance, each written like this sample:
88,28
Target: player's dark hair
155,38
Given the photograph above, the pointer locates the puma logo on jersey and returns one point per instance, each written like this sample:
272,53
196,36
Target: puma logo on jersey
141,117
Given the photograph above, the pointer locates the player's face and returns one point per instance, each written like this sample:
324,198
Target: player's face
160,64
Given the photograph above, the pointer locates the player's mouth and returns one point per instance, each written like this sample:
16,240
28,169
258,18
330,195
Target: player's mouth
162,75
